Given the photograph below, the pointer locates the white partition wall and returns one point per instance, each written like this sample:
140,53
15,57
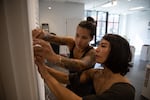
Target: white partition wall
33,15
18,79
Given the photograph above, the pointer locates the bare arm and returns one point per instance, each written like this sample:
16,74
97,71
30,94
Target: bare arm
78,64
41,34
58,75
60,40
60,91
87,75
46,51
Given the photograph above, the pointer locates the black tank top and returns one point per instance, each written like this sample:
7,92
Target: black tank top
86,51
81,89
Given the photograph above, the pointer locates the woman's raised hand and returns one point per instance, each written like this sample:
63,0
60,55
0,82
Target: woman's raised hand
43,49
39,61
38,33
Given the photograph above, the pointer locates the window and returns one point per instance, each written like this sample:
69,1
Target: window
101,25
113,24
101,18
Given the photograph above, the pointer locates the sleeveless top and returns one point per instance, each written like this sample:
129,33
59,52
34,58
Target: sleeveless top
86,51
118,91
81,89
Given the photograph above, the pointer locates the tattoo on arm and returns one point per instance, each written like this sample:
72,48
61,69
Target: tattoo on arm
71,64
78,64
60,40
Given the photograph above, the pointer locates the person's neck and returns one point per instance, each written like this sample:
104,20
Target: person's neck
81,49
107,71
115,77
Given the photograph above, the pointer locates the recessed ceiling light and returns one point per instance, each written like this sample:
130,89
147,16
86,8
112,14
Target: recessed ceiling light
49,8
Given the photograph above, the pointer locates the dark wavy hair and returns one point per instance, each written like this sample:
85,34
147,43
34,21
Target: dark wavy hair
119,58
88,25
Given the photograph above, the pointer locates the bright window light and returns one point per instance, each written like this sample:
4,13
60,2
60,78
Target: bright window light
136,8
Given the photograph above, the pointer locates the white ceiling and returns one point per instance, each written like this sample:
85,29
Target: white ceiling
121,7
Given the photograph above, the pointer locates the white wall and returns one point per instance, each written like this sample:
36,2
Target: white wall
33,13
61,16
137,29
134,27
17,73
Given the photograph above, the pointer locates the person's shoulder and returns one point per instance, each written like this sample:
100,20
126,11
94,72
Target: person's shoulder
91,52
91,49
123,85
123,89
119,91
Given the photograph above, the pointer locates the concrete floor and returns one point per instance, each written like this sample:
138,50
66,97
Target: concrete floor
137,76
